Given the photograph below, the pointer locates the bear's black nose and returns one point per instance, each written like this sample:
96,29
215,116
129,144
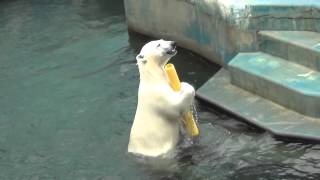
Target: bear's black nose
174,44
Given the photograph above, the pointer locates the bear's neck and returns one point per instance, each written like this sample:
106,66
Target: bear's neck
152,74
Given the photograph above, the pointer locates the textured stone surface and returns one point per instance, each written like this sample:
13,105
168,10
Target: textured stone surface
219,29
302,47
257,110
289,84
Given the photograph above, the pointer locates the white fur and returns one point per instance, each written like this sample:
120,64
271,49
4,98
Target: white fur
155,130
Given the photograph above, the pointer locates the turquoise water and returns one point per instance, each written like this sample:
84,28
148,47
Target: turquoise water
68,93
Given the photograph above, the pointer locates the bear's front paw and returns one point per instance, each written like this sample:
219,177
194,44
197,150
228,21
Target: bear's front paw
187,89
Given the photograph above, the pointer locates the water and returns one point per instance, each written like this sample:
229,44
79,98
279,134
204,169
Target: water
68,93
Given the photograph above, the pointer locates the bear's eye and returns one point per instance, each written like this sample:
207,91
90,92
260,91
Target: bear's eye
158,45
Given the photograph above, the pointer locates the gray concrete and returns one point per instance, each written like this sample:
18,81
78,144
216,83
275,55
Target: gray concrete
302,47
219,29
257,110
289,84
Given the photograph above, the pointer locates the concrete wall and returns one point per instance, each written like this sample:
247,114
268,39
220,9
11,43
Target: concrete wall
219,29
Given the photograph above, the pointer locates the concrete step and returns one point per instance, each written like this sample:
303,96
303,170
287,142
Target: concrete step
257,110
286,83
302,47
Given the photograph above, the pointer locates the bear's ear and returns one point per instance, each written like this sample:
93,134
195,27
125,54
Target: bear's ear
140,58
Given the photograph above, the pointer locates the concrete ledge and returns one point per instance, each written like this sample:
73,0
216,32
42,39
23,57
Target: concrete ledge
288,84
302,47
257,110
219,29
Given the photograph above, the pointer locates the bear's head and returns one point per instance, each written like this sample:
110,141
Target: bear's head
157,52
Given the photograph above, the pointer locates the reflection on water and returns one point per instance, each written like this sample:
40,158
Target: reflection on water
68,93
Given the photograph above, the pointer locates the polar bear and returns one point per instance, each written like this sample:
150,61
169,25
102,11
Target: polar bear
155,130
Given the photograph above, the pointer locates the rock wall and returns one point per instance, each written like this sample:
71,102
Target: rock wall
219,29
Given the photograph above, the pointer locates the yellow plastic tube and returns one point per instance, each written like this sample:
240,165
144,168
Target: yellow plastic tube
190,123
